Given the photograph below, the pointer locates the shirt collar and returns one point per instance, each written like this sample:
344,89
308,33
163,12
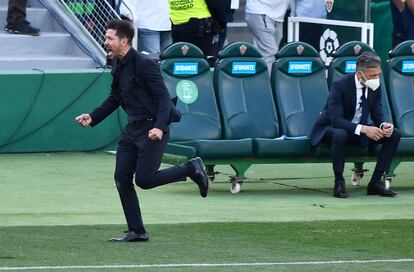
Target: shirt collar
357,83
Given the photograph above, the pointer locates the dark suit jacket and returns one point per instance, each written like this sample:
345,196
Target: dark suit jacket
148,86
340,109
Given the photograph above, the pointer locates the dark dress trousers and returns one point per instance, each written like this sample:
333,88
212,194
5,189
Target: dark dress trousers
335,126
139,89
16,12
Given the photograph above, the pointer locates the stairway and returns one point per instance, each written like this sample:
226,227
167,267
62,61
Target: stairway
55,48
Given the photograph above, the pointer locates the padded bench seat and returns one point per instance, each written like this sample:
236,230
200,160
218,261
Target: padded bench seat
274,148
323,150
406,146
221,149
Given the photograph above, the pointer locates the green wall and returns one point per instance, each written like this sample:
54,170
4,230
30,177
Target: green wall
37,111
381,17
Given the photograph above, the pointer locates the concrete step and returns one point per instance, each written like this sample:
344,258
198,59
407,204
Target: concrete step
45,62
46,43
30,3
38,17
53,49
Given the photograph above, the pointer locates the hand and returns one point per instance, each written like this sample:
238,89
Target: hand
387,129
155,134
84,120
373,133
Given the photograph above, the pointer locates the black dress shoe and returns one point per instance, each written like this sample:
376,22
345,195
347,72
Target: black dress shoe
200,176
378,188
131,236
23,28
340,189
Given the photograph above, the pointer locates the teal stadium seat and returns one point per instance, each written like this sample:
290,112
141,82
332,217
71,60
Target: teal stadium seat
400,72
245,97
301,91
199,133
345,59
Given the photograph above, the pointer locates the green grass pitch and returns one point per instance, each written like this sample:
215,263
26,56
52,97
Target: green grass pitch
57,210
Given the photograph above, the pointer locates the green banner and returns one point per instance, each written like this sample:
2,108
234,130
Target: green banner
38,110
350,10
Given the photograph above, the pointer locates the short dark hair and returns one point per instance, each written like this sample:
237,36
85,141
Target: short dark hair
123,28
368,60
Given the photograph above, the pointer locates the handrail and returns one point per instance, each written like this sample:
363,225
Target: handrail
92,17
82,39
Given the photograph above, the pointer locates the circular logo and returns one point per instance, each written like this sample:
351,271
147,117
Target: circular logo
328,44
187,91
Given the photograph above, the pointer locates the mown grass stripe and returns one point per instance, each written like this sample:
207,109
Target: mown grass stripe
204,265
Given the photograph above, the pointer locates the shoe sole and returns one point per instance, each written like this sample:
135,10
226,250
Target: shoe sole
343,196
132,241
201,164
374,193
20,33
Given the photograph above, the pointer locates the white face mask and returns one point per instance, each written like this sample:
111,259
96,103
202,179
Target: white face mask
372,83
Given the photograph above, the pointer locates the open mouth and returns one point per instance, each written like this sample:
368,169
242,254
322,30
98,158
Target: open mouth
109,52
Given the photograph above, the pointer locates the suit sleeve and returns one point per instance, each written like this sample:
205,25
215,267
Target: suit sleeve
150,73
377,114
107,107
336,106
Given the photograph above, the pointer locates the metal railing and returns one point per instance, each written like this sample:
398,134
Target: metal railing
367,29
329,41
92,17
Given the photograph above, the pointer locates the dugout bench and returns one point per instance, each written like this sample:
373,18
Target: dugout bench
239,116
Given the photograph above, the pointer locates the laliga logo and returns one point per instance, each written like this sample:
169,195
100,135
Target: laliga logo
328,44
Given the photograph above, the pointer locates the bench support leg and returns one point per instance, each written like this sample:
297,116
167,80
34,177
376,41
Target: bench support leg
357,173
393,166
240,168
210,171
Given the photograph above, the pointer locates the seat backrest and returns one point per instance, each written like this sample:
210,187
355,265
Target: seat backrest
300,88
242,85
345,59
187,75
345,63
400,71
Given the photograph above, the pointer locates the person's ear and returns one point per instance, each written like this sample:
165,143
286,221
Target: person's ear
361,76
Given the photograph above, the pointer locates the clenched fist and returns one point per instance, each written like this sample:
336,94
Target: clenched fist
84,120
155,134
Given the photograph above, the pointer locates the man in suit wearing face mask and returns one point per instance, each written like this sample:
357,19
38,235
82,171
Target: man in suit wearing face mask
344,122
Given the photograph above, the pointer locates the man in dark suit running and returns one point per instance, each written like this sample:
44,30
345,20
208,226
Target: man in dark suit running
344,121
138,87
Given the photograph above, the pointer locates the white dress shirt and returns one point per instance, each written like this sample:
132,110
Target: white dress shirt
358,109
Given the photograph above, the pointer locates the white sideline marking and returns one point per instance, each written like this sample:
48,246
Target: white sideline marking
200,265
